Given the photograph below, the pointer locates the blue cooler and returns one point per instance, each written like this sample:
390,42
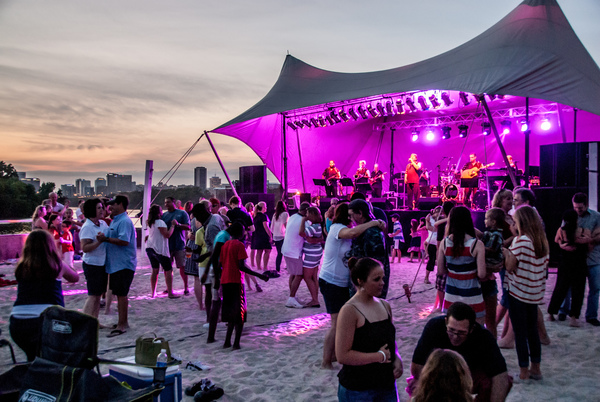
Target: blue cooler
141,377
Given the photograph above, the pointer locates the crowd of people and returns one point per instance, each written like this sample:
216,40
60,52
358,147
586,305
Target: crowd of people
344,255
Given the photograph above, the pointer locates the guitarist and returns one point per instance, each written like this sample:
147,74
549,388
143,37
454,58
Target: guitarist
331,174
470,178
376,181
411,180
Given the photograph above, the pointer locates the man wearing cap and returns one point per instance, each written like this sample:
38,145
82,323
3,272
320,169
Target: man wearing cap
292,253
121,259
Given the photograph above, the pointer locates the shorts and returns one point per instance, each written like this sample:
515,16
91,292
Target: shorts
398,244
96,278
440,282
179,257
120,282
294,265
158,260
489,288
335,296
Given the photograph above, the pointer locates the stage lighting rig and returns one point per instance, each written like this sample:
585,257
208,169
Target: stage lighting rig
463,131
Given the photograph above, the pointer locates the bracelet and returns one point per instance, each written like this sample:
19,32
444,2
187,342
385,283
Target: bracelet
384,356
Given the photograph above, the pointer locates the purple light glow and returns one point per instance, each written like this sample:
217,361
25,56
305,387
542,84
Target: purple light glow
545,125
524,127
73,292
430,136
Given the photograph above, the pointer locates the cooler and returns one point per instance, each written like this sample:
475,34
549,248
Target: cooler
140,377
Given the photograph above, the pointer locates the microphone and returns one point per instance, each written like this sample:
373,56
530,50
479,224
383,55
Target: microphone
407,291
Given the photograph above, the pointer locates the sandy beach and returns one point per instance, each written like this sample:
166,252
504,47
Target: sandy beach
281,347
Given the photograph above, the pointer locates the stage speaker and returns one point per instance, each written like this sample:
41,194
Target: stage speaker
381,203
256,197
304,197
428,203
564,165
253,179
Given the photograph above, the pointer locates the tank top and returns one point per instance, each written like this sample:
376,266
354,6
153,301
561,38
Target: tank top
369,339
40,292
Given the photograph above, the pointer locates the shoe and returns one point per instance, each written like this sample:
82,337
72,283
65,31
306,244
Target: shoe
186,292
293,303
562,316
208,395
574,322
206,325
593,321
258,288
203,384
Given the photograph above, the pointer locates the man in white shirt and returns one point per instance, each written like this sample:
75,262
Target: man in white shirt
292,253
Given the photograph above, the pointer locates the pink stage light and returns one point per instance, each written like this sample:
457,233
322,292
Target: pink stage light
363,112
344,116
524,126
423,102
446,99
399,106
380,109
415,135
434,101
389,108
505,126
486,128
411,104
446,132
372,111
353,113
430,135
545,125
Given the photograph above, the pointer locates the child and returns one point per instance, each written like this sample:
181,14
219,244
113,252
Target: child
232,259
398,237
312,249
423,233
494,259
415,241
431,242
66,242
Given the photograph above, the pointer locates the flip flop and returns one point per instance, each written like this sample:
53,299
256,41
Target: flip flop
115,332
313,305
174,297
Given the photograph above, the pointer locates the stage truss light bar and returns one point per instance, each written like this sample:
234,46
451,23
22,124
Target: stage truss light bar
344,116
464,98
400,106
423,102
463,131
372,111
363,112
446,132
353,113
389,108
485,126
434,101
446,99
411,104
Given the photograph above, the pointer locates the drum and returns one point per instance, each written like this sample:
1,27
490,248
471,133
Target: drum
451,192
480,199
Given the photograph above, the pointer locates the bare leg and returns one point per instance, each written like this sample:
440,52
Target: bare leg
153,282
253,257
184,278
214,318
207,299
248,281
259,254
92,306
508,340
227,342
500,313
122,306
238,335
329,344
169,282
312,285
266,255
198,292
490,313
294,284
109,298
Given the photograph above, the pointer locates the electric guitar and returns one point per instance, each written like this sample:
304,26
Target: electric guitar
473,172
376,177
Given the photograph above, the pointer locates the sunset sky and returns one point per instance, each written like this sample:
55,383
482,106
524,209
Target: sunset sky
91,87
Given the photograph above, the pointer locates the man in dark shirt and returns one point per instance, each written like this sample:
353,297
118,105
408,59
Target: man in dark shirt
331,175
238,214
458,331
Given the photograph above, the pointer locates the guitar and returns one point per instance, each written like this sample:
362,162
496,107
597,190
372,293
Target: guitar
377,177
473,172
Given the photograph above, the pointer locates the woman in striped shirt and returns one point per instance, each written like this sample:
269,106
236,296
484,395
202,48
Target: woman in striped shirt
526,265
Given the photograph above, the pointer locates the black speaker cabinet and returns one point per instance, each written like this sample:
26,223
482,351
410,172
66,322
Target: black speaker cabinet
253,179
427,203
564,165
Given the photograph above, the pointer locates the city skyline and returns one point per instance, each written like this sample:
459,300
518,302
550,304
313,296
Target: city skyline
91,88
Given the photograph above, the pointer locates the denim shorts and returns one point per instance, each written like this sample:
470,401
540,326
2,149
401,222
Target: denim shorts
378,395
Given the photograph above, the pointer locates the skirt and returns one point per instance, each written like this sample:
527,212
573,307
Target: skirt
415,244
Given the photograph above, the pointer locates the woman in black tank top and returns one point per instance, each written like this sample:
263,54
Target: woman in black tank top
365,341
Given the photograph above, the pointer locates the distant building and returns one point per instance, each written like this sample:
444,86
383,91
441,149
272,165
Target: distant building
215,182
118,183
81,186
34,181
200,177
68,190
22,175
100,186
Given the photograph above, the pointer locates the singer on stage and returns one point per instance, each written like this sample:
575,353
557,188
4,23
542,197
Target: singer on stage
332,175
411,180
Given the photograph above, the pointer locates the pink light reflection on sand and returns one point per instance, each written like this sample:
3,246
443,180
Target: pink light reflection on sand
297,326
72,292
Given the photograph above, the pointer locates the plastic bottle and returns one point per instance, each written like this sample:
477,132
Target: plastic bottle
162,358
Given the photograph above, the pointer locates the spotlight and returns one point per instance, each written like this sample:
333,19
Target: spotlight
434,101
353,113
372,111
464,98
306,122
423,103
445,132
505,126
486,128
411,104
446,99
430,136
321,121
524,126
463,131
299,124
344,116
329,120
335,117
314,122
389,108
399,106
363,112
380,109
545,125
289,123
415,135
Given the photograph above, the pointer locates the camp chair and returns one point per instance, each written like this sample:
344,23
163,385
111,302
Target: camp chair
64,367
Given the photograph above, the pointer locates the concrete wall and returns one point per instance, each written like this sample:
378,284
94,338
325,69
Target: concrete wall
11,246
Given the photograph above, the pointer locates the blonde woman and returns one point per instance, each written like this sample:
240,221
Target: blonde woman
37,220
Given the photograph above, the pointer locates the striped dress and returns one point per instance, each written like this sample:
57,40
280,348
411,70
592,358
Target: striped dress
312,252
528,282
462,284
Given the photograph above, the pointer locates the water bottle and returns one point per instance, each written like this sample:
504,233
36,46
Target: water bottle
162,358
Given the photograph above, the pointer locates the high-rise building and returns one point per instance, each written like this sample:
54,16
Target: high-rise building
81,186
118,183
200,177
68,190
100,186
215,182
34,181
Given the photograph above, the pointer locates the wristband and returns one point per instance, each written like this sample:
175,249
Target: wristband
384,356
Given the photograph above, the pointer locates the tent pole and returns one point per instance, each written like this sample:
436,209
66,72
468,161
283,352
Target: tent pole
221,163
285,159
527,132
574,125
392,161
511,174
300,160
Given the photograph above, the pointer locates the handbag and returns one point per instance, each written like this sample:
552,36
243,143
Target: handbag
147,349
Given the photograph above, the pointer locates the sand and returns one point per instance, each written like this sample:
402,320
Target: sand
282,347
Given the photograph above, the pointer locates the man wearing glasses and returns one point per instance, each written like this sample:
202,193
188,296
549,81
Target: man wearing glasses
458,331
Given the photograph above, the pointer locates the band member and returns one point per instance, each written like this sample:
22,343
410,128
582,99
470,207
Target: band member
376,181
470,178
362,172
511,162
411,180
332,175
